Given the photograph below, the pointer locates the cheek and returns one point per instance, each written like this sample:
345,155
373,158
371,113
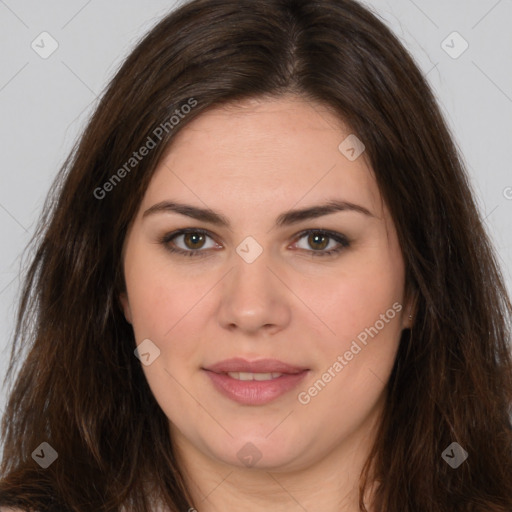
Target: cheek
168,307
352,299
158,297
163,306
363,309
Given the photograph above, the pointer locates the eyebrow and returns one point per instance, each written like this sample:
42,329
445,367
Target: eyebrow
287,218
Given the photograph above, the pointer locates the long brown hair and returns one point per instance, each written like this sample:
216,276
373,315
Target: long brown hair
78,385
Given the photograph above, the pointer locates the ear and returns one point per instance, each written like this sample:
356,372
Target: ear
125,303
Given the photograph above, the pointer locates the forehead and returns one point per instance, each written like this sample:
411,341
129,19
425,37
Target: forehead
265,153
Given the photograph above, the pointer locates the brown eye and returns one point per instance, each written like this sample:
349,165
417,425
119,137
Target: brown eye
194,240
189,242
318,241
322,243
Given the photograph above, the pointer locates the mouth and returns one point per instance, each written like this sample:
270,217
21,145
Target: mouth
247,376
254,383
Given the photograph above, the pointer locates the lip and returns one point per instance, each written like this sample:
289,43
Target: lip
254,392
238,364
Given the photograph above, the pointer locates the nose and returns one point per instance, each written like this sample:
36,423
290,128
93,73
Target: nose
254,297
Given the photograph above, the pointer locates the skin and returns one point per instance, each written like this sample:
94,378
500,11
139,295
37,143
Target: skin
251,161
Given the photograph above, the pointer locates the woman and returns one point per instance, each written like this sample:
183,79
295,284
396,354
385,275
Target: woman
262,283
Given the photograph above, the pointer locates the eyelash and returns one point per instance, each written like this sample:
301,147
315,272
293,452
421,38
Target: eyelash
338,237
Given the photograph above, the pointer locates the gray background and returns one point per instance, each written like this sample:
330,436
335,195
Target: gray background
44,103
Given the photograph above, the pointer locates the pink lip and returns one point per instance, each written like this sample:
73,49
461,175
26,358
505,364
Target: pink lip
254,392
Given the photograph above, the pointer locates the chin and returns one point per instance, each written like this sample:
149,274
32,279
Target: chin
259,451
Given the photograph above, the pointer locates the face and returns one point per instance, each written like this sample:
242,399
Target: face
271,325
